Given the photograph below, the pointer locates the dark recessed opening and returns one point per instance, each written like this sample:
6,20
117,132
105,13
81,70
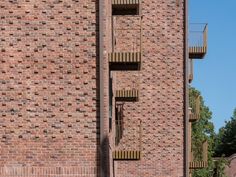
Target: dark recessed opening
131,9
124,66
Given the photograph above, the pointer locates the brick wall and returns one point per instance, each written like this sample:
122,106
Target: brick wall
231,168
48,87
161,85
127,33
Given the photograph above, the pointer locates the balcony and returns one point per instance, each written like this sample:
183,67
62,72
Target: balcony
204,162
194,110
197,41
125,7
128,137
126,43
127,95
124,60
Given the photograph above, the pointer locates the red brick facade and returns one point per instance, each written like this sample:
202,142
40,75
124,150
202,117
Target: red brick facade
49,87
160,81
230,170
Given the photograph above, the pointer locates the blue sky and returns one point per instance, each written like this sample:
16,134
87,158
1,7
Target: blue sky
215,76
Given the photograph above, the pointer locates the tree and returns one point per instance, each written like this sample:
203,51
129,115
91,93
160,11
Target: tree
220,164
202,130
226,138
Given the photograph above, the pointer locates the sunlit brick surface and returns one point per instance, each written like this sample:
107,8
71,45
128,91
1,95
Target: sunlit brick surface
230,169
49,87
161,90
48,83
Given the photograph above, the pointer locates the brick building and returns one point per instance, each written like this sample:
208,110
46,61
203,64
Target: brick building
230,170
96,88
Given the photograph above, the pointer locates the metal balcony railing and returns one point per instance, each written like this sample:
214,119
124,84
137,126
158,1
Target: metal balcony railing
127,137
197,40
119,123
190,74
203,163
194,103
126,43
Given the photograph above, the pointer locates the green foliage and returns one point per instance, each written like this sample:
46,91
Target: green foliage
225,145
220,165
226,138
202,130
